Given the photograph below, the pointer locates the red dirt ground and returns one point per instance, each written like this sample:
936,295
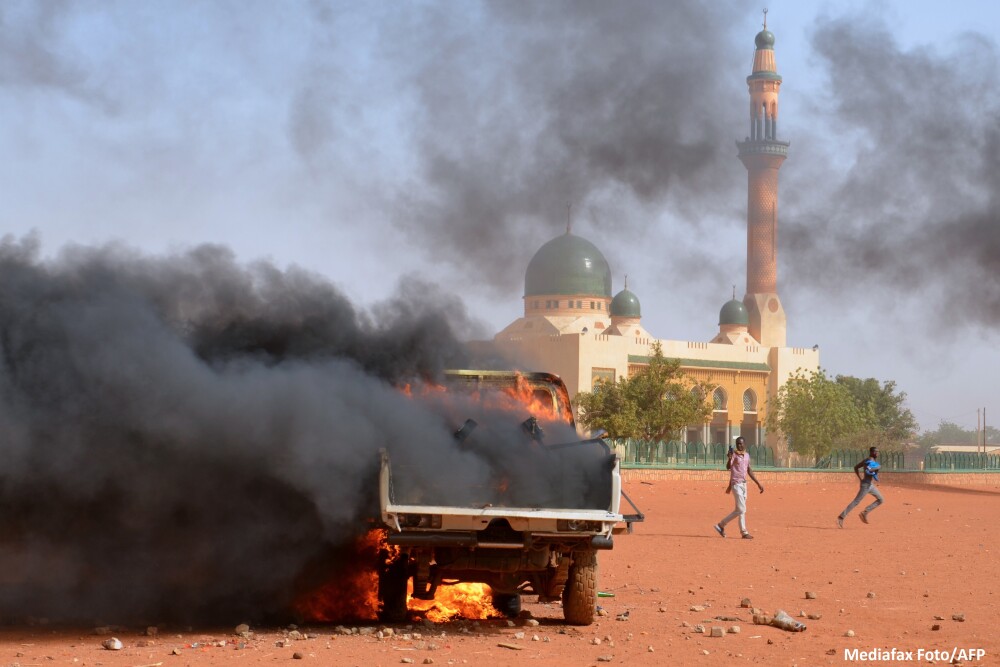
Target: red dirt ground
930,551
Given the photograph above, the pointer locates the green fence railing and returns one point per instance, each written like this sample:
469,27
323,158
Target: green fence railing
633,452
846,459
636,453
962,461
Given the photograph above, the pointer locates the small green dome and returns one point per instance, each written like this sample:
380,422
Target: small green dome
734,312
568,265
625,304
764,39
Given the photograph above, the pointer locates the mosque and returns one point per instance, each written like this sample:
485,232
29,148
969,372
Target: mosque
573,326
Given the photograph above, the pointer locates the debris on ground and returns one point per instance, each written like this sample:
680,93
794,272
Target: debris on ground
113,644
779,620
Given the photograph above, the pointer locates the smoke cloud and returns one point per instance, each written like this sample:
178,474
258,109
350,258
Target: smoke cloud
181,437
473,128
630,113
35,56
916,211
522,110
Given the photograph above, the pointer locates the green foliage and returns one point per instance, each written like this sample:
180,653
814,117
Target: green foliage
650,405
889,422
948,433
816,414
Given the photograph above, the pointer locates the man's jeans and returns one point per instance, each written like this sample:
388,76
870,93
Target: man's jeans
740,495
866,488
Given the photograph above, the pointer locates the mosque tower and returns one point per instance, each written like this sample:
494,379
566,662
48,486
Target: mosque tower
762,155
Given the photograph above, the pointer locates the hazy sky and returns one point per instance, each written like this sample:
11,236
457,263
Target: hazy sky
375,144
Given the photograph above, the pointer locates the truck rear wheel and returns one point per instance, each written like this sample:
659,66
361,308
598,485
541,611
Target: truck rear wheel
392,580
580,593
508,604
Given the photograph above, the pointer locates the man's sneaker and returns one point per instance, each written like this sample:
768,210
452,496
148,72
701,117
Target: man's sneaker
720,530
864,516
840,521
747,536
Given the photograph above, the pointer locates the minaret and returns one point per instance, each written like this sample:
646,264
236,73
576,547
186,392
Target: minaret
762,155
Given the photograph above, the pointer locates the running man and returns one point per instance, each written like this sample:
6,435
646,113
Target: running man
868,481
738,464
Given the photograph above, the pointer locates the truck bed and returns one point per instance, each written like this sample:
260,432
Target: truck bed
542,523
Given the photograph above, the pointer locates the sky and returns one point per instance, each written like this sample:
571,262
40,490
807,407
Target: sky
432,147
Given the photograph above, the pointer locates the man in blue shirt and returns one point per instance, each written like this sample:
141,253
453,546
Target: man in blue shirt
870,466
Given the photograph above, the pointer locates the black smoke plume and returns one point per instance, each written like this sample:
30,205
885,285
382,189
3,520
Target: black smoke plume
524,109
507,113
182,436
905,205
629,111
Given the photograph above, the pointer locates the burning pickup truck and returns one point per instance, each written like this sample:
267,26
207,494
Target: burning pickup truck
532,523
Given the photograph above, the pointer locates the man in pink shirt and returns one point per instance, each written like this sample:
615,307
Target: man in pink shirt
738,464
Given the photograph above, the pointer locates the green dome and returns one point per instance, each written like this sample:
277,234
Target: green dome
568,265
734,312
764,39
625,304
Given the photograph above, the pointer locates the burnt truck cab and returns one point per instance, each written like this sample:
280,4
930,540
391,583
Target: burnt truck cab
542,543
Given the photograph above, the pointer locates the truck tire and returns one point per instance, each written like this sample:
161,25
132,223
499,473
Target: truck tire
508,604
580,594
392,579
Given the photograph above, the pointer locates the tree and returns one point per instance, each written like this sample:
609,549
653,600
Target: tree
889,423
948,433
816,414
650,405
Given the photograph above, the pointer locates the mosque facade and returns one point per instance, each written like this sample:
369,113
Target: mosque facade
573,326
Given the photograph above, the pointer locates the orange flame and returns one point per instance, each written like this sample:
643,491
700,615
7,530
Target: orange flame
519,398
524,397
468,601
538,402
351,593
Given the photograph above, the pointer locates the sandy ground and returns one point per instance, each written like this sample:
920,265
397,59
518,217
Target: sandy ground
929,552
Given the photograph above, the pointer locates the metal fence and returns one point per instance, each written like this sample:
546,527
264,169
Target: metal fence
675,453
962,461
846,459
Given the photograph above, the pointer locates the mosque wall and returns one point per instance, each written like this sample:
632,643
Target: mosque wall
744,376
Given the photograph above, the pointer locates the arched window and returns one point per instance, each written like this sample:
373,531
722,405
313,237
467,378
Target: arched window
719,400
749,401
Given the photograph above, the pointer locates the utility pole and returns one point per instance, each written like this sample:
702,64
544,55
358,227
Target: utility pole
979,437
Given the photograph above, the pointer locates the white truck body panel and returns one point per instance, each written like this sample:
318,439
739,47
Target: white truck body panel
523,519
